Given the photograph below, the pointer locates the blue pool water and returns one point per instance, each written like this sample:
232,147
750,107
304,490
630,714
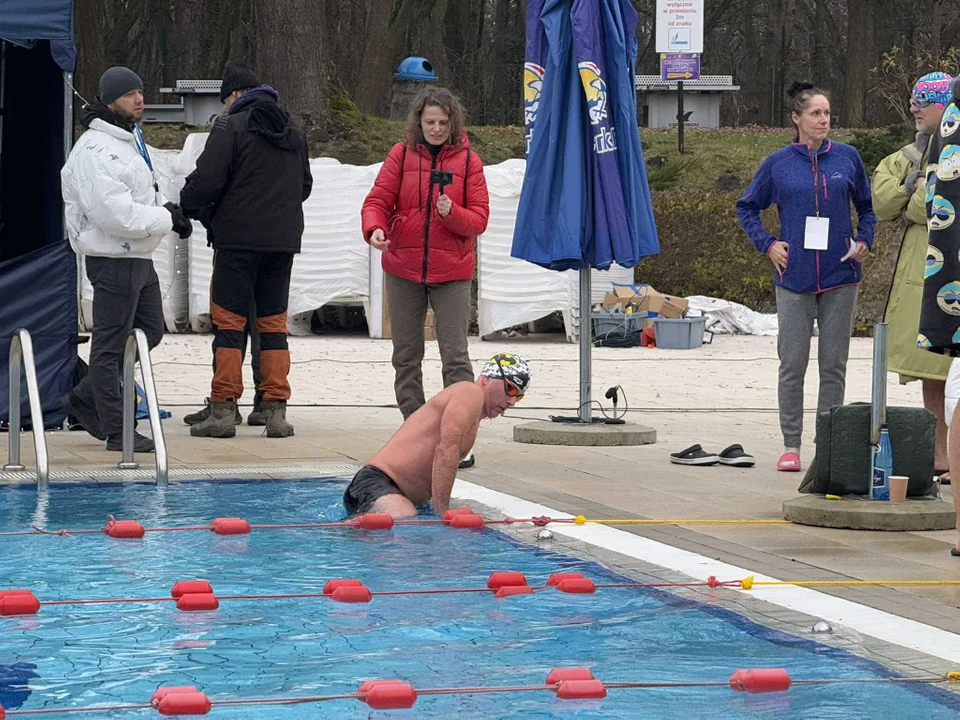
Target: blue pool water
111,654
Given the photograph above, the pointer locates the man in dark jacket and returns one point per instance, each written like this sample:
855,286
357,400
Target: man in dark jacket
251,181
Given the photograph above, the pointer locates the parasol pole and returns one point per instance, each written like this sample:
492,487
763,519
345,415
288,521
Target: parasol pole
586,335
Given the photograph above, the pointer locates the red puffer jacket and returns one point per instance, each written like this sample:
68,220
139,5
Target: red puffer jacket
425,247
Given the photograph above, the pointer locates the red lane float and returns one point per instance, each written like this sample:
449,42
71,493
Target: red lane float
162,692
581,690
198,601
498,580
123,529
182,587
184,702
510,590
374,521
558,675
352,594
388,694
466,521
230,526
581,586
454,512
342,582
557,578
3,713
18,602
760,680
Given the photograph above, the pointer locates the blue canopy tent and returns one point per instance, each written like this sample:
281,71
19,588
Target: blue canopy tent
585,201
38,271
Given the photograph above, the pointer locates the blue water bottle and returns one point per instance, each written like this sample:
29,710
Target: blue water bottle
882,466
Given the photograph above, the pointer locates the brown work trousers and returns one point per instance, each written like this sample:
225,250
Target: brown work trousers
408,311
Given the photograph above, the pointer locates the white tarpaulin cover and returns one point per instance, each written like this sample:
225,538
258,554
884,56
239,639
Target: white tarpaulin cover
335,264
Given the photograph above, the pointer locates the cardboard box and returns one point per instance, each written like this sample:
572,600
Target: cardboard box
429,323
645,298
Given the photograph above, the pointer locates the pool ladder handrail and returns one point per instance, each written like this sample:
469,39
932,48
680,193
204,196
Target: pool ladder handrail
21,353
136,346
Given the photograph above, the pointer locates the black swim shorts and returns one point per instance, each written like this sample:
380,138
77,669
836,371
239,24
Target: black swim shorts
368,485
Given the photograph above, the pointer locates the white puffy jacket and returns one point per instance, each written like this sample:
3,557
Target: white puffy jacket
111,204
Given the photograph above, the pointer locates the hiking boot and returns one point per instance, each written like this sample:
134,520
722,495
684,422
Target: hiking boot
200,415
86,415
275,413
220,423
468,462
141,443
257,418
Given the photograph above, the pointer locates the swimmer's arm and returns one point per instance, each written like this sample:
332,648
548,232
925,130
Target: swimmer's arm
461,413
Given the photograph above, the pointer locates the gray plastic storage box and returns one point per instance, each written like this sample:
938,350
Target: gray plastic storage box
608,325
680,333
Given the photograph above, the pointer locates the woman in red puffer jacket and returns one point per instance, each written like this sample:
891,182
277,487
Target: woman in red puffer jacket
425,211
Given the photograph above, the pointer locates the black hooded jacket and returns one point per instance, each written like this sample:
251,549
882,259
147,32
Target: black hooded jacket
252,178
98,111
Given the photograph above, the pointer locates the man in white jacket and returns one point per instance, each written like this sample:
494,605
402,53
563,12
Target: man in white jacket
116,218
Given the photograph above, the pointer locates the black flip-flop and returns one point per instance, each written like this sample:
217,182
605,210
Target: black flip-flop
955,552
736,457
694,455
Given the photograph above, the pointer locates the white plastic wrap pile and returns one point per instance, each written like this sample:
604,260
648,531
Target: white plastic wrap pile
513,292
334,264
170,259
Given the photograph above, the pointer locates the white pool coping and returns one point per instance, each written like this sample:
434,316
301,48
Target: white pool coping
866,620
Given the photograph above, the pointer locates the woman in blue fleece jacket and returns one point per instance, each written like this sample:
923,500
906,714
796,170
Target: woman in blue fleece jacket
817,256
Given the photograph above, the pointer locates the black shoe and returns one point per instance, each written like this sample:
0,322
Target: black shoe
468,462
141,443
86,415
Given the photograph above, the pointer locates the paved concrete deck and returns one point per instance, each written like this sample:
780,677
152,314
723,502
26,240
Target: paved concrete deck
715,396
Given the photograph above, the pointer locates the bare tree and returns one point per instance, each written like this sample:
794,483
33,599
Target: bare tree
290,54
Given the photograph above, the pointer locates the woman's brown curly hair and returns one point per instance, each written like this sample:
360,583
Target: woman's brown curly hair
446,101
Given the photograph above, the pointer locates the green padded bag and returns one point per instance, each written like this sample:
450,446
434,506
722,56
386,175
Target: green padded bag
843,461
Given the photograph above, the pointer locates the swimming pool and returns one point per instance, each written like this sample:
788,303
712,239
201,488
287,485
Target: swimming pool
74,656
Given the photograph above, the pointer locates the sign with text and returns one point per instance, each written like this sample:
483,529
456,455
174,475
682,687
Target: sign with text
680,26
679,66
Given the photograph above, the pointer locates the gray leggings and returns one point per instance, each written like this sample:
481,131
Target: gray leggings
834,312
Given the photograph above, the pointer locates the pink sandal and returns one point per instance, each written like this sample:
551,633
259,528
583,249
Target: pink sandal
789,462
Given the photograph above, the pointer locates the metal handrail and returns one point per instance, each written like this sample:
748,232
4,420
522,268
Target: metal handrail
137,346
21,353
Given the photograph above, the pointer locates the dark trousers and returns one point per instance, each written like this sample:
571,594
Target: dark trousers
126,295
407,302
242,278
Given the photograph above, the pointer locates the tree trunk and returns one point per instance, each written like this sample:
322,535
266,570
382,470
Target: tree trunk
379,58
859,32
290,55
90,19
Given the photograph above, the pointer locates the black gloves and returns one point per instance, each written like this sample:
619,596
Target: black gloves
181,223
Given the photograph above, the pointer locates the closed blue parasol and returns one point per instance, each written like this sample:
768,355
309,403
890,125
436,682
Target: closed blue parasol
585,201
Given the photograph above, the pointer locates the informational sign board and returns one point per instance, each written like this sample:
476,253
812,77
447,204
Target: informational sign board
679,66
680,26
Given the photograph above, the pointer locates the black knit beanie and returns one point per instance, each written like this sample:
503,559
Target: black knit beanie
237,76
118,81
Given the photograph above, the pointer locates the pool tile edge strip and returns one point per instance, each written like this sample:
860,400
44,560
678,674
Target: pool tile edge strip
884,626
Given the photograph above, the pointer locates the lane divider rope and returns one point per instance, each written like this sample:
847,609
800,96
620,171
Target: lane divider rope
461,518
568,683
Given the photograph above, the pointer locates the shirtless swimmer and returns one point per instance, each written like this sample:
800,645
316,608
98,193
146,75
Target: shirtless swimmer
419,462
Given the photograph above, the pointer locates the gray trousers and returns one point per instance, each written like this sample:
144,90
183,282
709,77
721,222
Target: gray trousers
408,311
834,312
126,295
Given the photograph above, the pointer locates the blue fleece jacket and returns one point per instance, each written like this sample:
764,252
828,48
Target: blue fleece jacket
799,182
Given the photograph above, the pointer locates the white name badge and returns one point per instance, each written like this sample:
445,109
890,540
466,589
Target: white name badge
816,233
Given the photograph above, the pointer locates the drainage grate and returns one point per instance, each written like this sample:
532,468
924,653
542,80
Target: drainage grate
149,473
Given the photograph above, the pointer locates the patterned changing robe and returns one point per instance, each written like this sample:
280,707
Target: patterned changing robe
940,311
